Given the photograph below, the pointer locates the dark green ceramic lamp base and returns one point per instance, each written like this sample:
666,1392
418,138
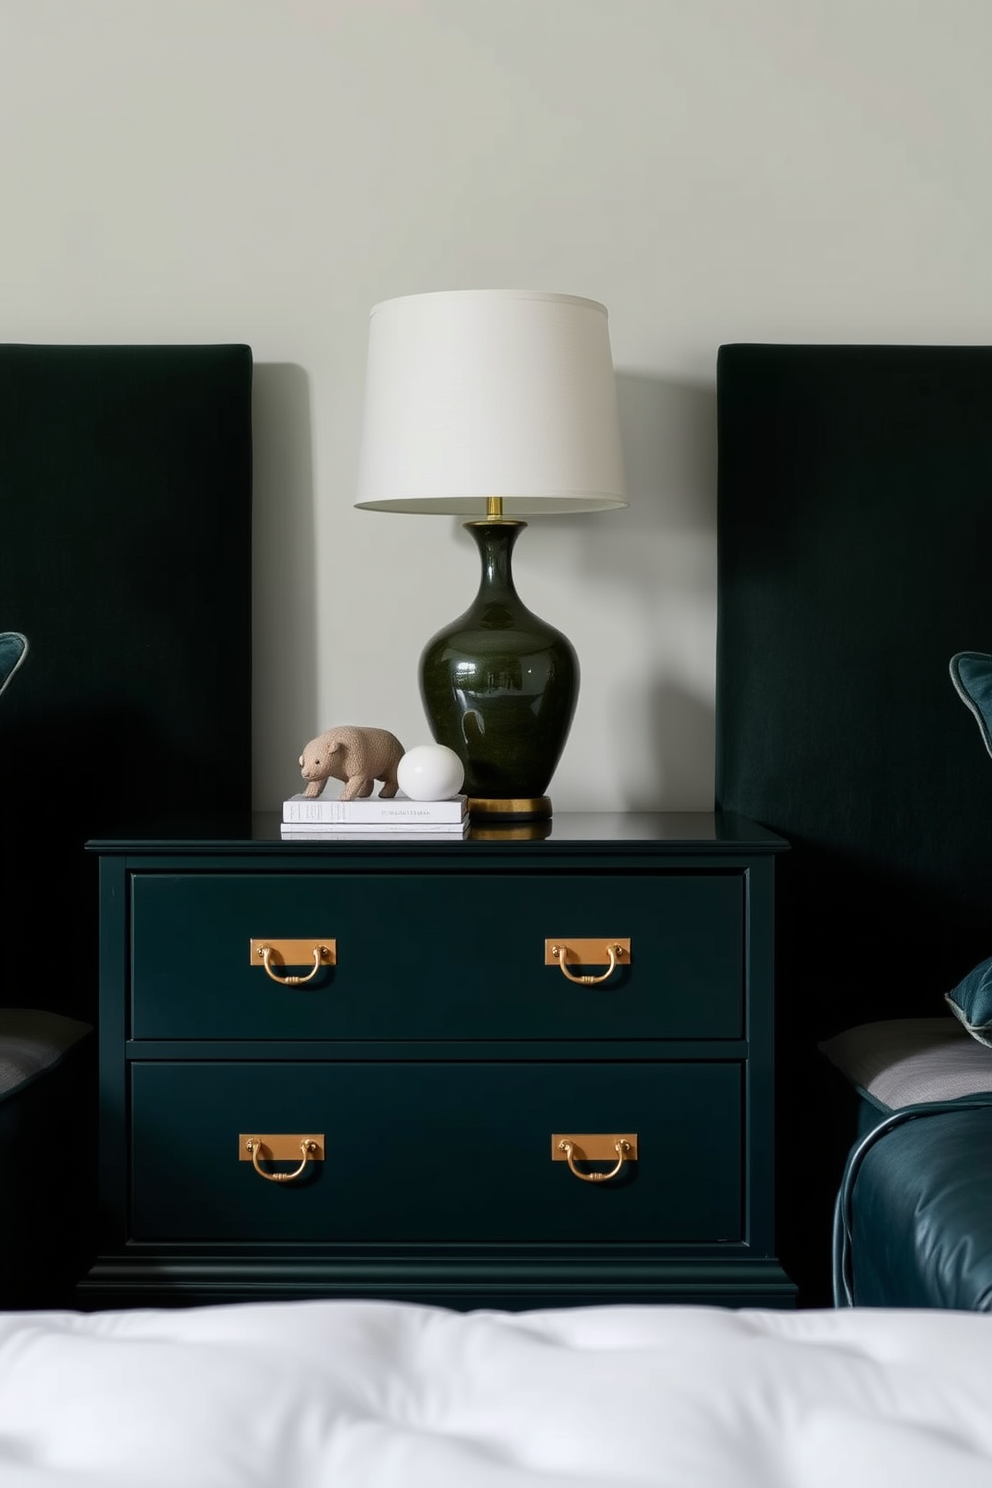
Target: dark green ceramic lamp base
499,687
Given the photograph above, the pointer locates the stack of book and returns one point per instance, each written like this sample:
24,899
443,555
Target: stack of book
310,817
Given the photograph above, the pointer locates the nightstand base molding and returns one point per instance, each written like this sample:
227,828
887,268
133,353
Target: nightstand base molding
463,1283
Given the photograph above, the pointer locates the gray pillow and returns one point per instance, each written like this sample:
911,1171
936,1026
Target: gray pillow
905,1061
32,1042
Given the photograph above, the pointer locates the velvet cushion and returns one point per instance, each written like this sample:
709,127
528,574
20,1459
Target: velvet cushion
971,1002
971,673
13,649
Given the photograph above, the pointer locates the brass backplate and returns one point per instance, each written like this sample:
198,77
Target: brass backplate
281,1146
585,952
594,1146
295,952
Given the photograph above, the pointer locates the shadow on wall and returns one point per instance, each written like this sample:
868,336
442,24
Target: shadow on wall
678,728
650,572
668,432
284,568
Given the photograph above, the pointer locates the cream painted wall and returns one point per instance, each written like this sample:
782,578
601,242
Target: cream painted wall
265,170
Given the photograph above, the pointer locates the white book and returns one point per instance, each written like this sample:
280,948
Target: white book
374,811
361,831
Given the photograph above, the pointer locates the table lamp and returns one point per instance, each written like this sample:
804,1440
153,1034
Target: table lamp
494,405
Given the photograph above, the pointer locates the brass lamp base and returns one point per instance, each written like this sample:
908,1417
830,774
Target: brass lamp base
509,808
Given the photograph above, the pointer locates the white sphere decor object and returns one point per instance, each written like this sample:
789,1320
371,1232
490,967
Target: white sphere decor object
430,772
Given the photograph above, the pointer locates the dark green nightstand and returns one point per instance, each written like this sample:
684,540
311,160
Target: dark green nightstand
406,1096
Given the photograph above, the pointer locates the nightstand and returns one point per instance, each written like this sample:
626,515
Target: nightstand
501,1072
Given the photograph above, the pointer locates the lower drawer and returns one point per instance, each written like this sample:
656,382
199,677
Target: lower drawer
457,1153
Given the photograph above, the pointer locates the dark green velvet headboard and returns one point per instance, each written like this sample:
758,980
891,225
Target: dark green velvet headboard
125,559
855,533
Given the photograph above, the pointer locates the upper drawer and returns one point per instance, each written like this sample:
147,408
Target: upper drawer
437,955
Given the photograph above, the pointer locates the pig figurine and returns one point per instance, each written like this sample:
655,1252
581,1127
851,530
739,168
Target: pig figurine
358,756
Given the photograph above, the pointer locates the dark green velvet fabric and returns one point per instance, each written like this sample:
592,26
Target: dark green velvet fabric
855,524
125,558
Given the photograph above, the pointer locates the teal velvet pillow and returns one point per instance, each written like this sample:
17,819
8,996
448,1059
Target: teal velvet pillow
971,673
13,649
971,1002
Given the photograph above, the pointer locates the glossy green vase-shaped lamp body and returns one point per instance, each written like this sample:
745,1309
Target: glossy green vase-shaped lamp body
499,687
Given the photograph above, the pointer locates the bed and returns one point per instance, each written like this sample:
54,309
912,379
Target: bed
854,526
913,1216
392,1395
125,613
913,1223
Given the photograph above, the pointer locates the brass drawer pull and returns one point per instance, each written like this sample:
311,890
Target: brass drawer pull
595,1148
274,953
584,953
280,1149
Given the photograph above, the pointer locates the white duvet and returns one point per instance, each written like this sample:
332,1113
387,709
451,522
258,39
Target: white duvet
379,1395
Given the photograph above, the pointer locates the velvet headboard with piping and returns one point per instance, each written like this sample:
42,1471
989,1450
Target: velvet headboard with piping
125,559
855,524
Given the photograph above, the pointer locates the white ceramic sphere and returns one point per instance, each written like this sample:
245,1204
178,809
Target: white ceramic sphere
430,772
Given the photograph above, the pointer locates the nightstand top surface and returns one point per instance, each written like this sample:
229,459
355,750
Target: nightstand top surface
601,831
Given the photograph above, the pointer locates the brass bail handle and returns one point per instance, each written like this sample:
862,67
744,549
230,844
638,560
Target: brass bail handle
278,953
584,951
307,1146
620,1147
289,981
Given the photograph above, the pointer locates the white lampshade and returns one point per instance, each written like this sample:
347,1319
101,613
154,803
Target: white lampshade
473,394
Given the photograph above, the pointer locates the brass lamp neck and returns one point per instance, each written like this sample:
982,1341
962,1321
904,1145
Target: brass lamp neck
494,513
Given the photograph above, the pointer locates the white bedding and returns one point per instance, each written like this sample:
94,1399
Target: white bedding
380,1395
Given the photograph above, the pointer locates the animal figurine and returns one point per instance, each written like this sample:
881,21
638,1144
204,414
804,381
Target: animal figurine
358,756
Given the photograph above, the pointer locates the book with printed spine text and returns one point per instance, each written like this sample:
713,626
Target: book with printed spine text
397,811
362,831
